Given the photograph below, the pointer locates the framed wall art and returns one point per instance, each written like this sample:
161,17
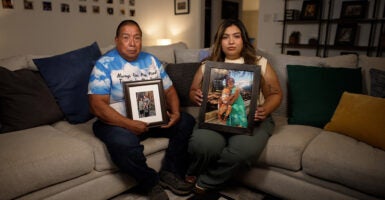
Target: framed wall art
354,9
145,101
230,93
345,34
310,9
181,7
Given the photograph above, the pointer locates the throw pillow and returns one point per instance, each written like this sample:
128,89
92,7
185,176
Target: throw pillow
361,117
314,92
25,101
67,77
182,75
377,83
280,61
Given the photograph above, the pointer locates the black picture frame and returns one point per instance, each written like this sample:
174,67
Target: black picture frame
346,34
153,97
181,7
310,10
247,78
354,9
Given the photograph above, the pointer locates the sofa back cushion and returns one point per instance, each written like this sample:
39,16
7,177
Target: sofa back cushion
25,101
280,61
367,63
166,53
182,75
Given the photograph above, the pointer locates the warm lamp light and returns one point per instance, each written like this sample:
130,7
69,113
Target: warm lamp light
163,41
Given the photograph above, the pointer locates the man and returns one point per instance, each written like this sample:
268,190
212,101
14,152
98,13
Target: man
122,135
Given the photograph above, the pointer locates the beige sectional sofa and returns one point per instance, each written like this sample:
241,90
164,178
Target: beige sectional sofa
61,160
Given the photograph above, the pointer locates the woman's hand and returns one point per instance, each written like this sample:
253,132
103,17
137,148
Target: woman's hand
197,97
260,114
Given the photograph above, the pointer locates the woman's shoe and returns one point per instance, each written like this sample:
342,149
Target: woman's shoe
191,179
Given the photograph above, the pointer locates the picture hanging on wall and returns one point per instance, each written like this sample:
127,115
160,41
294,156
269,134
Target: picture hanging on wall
121,1
132,13
110,1
181,7
96,9
110,11
132,2
354,9
28,5
346,34
122,11
47,6
82,8
8,4
65,7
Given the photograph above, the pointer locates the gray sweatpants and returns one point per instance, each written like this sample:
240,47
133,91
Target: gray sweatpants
216,156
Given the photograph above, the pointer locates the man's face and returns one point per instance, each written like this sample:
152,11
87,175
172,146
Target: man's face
129,42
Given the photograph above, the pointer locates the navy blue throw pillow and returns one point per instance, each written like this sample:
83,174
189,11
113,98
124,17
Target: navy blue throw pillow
67,77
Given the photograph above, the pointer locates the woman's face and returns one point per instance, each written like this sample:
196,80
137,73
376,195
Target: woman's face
232,42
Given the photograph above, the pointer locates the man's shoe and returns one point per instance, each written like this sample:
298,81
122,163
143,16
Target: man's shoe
157,193
175,184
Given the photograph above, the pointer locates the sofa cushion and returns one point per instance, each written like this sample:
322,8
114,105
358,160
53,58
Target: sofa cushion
165,53
191,55
361,117
279,62
377,83
285,147
342,159
14,62
314,92
83,132
182,75
25,101
35,158
367,63
67,77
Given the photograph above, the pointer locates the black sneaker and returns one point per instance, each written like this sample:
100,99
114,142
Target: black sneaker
175,184
157,193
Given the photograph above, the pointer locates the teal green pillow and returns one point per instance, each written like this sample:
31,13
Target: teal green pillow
314,92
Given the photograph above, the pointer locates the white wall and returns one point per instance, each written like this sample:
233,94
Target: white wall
269,32
52,32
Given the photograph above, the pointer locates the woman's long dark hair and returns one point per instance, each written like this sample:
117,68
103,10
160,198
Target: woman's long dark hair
248,51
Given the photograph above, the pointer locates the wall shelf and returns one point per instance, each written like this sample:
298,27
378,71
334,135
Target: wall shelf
327,24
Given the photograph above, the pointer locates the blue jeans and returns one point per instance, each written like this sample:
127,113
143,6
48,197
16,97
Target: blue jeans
127,152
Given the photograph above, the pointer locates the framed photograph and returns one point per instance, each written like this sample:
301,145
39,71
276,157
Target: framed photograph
354,9
230,93
145,101
345,34
181,7
310,9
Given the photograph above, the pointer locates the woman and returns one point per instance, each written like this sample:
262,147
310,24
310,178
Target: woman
217,155
237,116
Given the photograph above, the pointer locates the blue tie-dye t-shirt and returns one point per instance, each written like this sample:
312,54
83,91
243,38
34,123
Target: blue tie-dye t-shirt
111,70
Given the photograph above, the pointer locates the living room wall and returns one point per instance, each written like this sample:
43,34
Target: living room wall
52,32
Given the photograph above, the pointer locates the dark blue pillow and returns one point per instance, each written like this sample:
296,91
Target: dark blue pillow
67,77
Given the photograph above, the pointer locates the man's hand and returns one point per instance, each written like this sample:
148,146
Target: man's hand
174,118
138,127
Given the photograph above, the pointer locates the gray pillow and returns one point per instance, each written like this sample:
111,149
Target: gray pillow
182,75
377,83
25,101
